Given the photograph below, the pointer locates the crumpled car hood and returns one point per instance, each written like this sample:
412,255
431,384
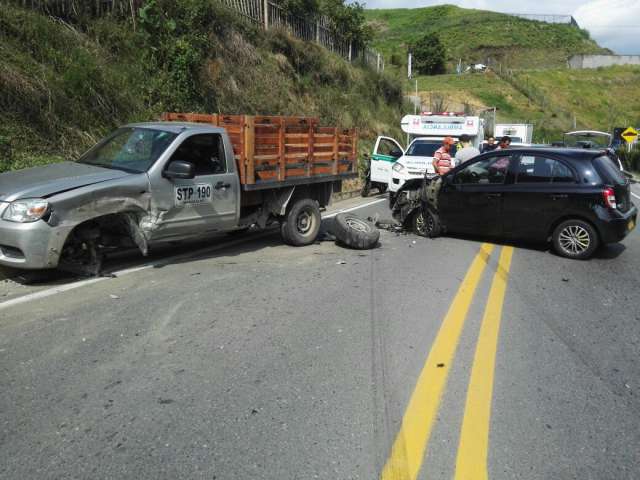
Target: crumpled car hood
42,182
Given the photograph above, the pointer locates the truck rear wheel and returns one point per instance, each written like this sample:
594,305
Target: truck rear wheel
301,224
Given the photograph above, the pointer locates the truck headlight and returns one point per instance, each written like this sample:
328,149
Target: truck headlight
27,210
398,167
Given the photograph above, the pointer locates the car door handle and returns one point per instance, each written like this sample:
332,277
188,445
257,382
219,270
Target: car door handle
494,195
221,185
559,196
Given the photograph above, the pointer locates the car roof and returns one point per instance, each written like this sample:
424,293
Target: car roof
573,153
178,127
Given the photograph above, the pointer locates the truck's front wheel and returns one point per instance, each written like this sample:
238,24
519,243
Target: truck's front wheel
301,224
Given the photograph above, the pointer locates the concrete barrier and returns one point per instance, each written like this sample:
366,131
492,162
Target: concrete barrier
595,61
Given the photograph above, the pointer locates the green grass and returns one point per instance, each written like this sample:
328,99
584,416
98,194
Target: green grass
63,86
479,36
550,99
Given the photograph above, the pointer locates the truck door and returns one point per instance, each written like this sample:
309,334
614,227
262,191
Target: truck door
206,203
385,153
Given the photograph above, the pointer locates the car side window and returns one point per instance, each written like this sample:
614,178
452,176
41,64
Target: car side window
537,169
205,151
388,147
491,170
561,173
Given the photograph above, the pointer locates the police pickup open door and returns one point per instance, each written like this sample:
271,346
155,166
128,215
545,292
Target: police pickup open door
385,153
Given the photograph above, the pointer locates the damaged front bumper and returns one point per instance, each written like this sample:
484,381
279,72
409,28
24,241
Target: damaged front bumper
32,245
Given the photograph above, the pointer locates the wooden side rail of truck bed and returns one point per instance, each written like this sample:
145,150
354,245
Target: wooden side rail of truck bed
270,150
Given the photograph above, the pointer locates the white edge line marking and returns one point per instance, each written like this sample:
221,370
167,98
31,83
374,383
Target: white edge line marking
637,196
120,273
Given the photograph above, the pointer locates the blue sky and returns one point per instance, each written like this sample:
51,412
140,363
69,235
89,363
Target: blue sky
612,23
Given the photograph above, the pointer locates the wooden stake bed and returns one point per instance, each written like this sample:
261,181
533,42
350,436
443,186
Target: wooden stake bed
272,151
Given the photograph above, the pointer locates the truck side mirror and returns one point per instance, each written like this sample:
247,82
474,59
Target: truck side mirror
180,169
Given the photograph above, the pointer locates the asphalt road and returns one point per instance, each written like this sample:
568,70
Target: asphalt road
254,360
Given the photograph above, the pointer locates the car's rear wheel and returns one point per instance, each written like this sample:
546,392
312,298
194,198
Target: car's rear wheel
575,239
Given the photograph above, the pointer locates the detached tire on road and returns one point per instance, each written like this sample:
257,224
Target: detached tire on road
301,224
575,239
355,232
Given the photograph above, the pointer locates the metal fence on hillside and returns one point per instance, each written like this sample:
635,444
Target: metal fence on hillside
265,13
547,18
269,14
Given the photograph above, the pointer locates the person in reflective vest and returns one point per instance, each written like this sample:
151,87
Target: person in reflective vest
442,162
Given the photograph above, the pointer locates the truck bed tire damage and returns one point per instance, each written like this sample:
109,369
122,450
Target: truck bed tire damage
355,232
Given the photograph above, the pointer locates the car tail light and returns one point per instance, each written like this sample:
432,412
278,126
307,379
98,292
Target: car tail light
609,197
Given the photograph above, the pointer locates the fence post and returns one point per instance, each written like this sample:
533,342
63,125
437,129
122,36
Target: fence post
349,51
265,4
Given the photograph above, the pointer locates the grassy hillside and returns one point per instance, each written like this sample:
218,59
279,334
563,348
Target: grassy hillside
479,36
63,86
550,99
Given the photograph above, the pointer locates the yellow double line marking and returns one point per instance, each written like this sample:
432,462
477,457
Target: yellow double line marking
409,448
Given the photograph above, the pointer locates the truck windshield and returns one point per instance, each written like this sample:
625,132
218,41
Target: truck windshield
423,149
130,149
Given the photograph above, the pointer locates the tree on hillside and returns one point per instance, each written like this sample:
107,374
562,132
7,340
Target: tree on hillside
429,55
347,19
301,8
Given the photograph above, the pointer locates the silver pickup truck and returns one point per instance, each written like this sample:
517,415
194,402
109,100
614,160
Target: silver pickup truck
147,183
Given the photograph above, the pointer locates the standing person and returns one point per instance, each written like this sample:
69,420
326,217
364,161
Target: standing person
504,143
442,161
490,145
466,151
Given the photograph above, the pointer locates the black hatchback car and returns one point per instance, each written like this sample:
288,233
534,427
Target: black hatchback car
578,199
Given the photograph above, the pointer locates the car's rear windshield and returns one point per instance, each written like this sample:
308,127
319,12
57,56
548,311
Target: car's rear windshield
129,149
423,149
609,171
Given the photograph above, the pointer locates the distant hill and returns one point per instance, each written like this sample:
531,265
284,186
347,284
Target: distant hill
480,36
551,99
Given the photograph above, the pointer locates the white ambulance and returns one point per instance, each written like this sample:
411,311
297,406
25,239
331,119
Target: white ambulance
393,165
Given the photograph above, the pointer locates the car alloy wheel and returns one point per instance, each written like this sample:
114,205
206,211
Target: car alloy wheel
574,239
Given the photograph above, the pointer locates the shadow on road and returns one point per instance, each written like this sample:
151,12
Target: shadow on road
166,254
605,252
